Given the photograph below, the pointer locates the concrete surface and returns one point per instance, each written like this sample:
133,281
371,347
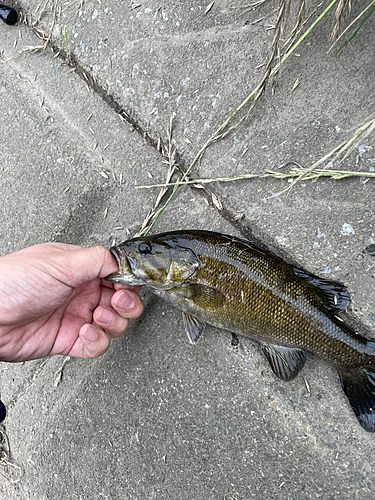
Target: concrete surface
156,417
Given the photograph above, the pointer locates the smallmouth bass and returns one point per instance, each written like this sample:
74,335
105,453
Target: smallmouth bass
234,285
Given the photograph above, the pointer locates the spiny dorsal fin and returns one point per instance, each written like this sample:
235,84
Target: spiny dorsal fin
333,295
285,362
194,327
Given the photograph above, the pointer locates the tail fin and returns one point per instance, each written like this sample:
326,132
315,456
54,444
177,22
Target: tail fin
361,394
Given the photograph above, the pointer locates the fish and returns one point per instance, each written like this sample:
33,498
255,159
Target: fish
237,286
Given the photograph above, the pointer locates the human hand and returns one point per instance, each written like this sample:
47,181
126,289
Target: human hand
53,300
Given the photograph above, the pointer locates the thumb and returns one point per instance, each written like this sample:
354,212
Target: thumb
88,264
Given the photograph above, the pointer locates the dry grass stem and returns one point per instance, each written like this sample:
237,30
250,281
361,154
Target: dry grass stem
345,147
28,48
365,14
299,23
341,151
342,6
169,153
41,12
7,468
248,8
299,173
46,38
59,373
271,69
79,7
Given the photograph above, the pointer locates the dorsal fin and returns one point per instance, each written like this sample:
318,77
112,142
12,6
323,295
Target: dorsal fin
332,294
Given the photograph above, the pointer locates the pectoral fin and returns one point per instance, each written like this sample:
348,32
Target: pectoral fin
285,362
194,327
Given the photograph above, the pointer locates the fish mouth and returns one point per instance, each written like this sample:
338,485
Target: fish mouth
120,257
125,273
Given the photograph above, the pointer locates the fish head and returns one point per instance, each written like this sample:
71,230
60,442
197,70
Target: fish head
152,262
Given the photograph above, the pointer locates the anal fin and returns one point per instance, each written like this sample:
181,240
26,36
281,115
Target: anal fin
285,362
194,327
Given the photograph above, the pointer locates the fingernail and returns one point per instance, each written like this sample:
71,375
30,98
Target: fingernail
106,316
91,334
124,301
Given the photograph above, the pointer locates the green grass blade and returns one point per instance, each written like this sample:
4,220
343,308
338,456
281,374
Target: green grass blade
279,354
371,8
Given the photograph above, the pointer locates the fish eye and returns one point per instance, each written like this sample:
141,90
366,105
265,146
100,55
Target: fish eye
144,248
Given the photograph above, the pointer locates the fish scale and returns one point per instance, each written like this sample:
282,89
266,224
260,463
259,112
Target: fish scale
235,285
